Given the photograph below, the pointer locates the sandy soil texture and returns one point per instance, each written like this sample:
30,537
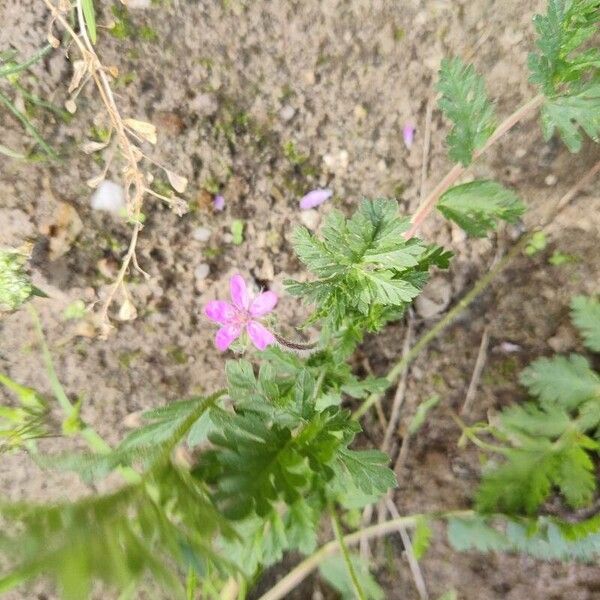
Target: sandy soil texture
263,101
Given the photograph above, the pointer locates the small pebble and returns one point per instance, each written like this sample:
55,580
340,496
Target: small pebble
201,234
550,180
310,218
287,112
109,197
201,271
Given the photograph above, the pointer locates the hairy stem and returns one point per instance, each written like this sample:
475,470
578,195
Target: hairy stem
346,555
24,65
428,204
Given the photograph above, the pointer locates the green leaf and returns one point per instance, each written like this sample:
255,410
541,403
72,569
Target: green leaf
575,477
569,114
237,231
147,529
367,469
478,205
335,572
565,381
255,464
15,284
367,272
585,313
421,414
562,31
475,534
464,101
90,18
421,538
521,484
539,537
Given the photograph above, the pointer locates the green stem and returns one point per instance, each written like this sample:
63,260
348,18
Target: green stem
28,126
24,65
90,435
445,322
346,555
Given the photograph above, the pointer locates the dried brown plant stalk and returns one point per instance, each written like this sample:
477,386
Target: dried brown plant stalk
125,131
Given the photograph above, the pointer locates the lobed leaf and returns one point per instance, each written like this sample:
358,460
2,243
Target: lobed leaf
464,101
478,205
585,313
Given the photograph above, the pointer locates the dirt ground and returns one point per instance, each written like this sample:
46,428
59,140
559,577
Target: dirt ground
263,101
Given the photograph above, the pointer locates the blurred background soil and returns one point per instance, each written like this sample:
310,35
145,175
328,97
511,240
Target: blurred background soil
262,102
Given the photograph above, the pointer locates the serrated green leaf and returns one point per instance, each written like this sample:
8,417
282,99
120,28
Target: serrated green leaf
567,381
367,271
478,205
464,101
335,572
475,534
367,469
521,484
571,114
541,538
585,313
562,31
421,537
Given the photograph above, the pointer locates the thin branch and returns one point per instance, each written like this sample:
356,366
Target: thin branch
413,563
477,370
400,390
308,565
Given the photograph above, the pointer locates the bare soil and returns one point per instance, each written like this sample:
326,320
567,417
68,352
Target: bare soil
230,85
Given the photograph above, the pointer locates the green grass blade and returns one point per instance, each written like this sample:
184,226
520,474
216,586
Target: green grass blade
90,18
28,126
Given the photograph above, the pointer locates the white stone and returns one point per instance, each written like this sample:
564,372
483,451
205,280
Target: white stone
201,271
287,112
201,234
109,196
133,4
310,218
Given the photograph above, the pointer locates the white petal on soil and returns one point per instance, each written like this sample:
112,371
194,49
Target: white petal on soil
109,196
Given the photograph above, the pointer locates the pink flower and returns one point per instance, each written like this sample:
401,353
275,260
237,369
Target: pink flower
239,316
408,133
315,198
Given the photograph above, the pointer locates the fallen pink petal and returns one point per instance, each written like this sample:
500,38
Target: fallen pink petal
315,198
408,133
241,315
219,203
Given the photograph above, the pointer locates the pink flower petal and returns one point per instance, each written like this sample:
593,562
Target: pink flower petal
218,203
315,198
220,311
261,337
263,304
408,133
239,292
226,335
